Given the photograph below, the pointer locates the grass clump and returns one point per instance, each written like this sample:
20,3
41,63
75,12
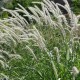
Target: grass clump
43,44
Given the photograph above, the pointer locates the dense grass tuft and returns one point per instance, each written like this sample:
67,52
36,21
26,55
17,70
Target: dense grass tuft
40,44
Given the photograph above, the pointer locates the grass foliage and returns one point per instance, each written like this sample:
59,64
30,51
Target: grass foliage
43,44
